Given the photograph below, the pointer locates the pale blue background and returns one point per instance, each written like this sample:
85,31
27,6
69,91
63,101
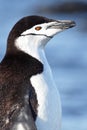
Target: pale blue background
66,53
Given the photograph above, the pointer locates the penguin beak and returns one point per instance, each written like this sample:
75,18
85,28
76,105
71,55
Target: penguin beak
62,24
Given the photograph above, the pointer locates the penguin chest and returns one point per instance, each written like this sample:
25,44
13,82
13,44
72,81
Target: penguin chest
49,107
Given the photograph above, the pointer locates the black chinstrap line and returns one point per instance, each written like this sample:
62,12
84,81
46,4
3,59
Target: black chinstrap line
36,35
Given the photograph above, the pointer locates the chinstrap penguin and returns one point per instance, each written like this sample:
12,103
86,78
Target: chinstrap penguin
29,99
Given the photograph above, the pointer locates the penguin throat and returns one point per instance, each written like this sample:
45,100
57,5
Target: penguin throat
33,46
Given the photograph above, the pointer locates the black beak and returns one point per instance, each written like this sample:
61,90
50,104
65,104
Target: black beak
62,24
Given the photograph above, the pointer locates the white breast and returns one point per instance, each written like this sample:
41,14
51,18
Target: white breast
49,109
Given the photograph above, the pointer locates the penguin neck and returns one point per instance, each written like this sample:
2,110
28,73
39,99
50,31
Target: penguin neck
39,54
42,58
33,46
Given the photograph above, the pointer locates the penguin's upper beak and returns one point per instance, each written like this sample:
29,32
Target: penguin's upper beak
62,24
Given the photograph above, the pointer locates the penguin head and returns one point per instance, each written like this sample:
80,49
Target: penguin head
35,31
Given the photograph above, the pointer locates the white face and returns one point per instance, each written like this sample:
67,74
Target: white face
35,38
46,29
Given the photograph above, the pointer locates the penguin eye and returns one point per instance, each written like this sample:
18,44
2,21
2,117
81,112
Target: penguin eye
38,28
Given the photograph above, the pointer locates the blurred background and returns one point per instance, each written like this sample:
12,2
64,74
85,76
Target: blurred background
66,52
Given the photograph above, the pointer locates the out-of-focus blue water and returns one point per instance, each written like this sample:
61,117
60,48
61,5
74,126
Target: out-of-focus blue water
67,55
